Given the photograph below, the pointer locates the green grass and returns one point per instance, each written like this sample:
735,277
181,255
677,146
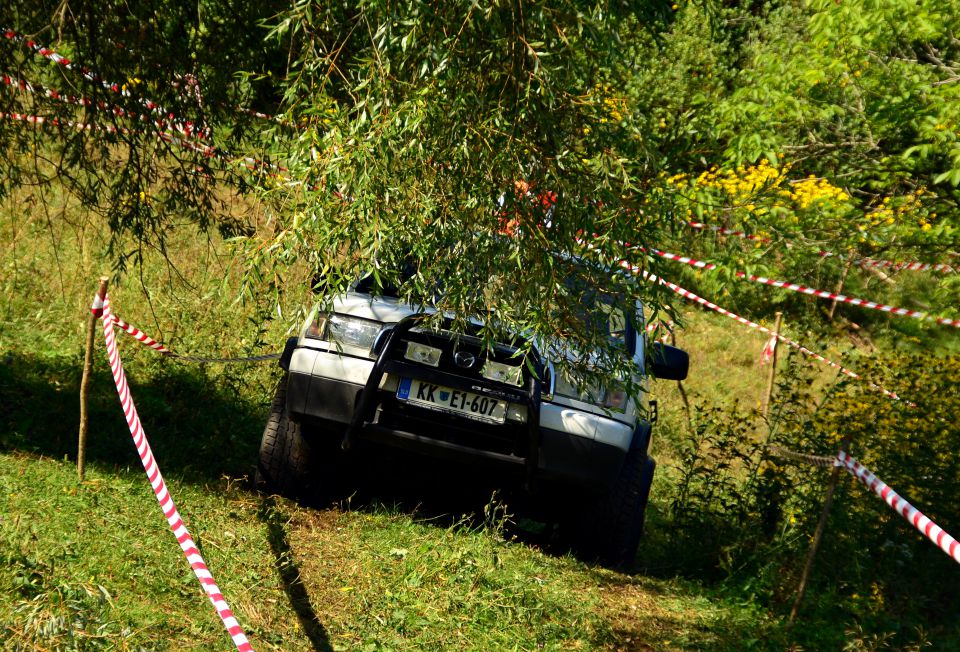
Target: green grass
94,566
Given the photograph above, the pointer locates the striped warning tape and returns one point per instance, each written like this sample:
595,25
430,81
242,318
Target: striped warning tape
177,139
914,516
92,76
796,345
79,100
686,294
822,461
57,122
256,114
209,151
660,330
169,508
40,120
148,341
863,262
822,294
700,226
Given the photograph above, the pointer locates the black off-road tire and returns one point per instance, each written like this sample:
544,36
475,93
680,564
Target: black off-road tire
608,528
286,459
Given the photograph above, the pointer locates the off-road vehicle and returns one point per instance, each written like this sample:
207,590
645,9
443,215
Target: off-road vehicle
373,370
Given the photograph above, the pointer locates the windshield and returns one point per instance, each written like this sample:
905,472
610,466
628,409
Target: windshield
599,313
369,283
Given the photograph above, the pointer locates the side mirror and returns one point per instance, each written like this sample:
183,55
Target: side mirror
669,362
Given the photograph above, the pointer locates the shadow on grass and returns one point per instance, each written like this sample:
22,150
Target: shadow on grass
445,493
200,428
290,576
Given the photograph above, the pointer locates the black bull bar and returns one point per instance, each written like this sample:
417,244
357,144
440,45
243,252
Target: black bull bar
366,404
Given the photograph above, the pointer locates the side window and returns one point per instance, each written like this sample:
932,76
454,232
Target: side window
616,320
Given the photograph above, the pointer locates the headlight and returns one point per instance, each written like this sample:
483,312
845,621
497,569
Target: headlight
352,334
588,392
615,399
611,399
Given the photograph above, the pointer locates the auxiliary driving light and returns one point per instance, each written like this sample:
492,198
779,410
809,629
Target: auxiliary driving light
502,373
422,353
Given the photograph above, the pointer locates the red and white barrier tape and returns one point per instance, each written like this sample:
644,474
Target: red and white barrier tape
175,138
863,262
823,294
114,109
931,530
209,151
186,542
700,226
746,322
256,114
686,260
148,341
90,75
686,294
57,122
899,266
93,76
142,337
109,129
766,354
656,327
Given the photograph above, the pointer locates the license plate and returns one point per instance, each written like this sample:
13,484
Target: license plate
454,401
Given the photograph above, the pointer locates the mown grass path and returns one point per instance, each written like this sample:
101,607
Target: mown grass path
93,566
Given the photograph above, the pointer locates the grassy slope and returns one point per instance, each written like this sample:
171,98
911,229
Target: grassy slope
97,564
375,577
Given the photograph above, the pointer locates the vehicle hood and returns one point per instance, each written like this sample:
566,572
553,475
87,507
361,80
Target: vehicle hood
365,306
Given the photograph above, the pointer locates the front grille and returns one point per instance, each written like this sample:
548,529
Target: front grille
450,344
507,438
376,406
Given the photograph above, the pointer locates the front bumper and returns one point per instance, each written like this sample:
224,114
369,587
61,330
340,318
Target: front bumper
570,446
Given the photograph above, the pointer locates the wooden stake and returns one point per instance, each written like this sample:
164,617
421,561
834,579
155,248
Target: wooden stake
771,379
683,392
84,383
817,536
839,288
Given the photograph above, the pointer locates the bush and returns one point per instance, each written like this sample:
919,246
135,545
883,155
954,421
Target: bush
744,517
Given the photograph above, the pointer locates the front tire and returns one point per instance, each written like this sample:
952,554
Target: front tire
286,458
609,527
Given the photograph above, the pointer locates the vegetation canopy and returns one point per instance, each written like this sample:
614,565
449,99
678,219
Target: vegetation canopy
475,138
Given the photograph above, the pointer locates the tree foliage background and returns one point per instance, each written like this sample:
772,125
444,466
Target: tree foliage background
415,130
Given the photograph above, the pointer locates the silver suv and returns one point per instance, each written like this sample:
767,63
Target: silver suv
373,370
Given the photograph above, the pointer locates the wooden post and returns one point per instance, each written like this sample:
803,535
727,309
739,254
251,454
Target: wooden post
817,536
85,381
839,288
683,393
771,379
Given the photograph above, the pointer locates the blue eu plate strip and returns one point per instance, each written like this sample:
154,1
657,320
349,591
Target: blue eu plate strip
403,392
